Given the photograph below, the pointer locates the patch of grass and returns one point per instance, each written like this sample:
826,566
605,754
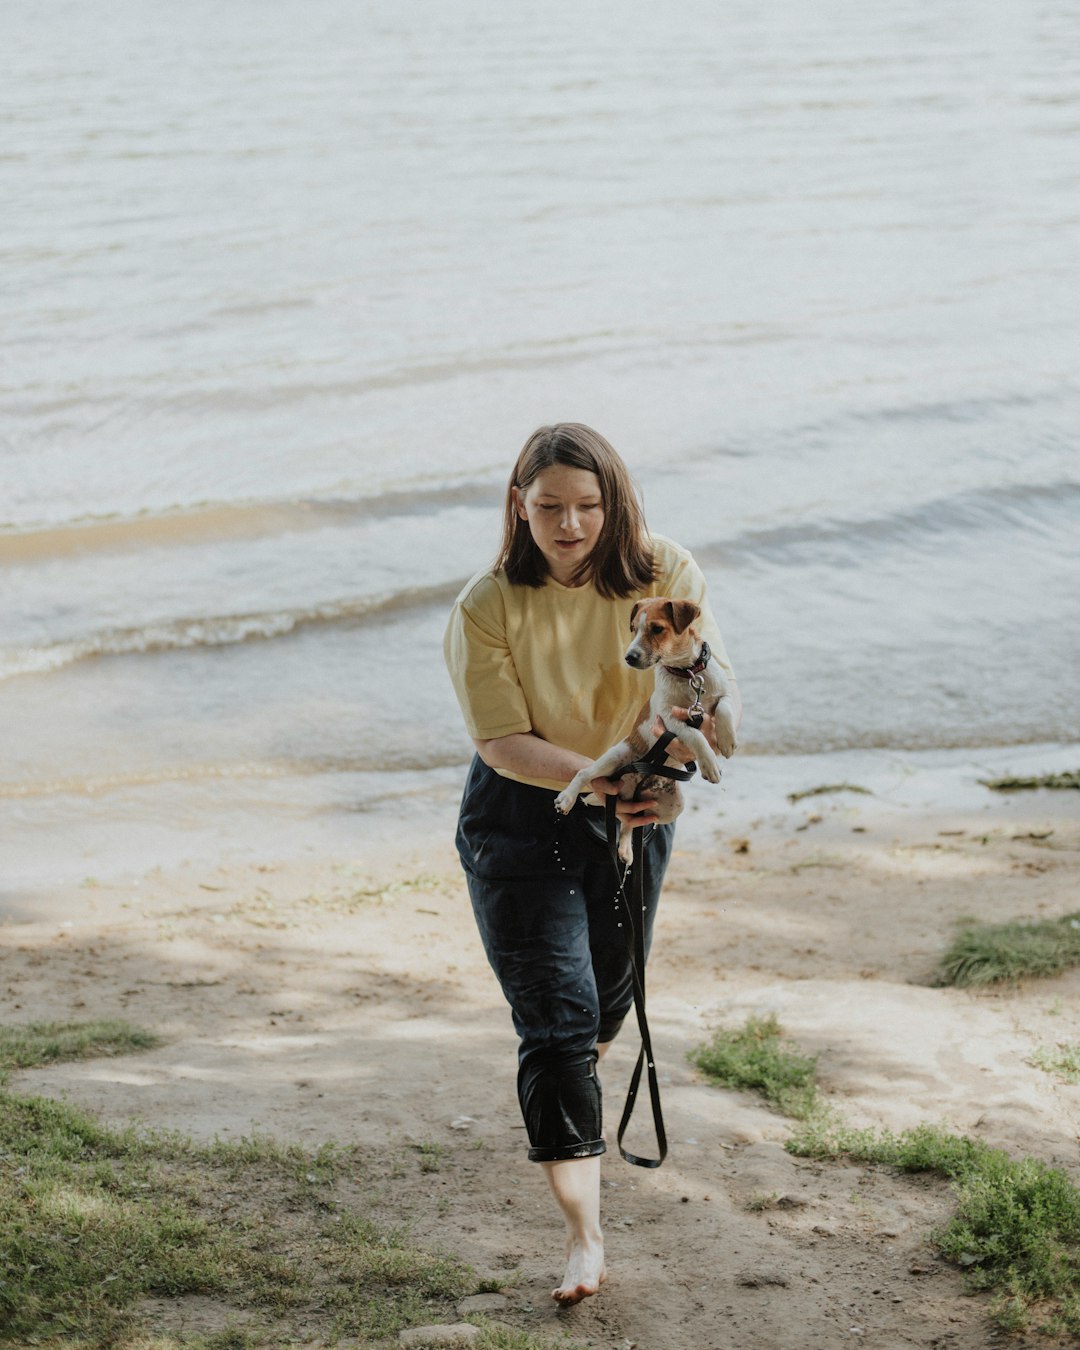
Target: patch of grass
794,797
93,1220
1054,781
36,1043
495,1284
231,1338
757,1058
1059,1059
1017,1229
760,1202
994,952
431,1156
496,1336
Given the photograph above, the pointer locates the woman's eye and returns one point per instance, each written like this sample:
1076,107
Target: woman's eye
549,508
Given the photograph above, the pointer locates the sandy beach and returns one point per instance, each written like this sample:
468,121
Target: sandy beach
344,995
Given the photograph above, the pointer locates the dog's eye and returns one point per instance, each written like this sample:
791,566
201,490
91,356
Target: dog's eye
656,629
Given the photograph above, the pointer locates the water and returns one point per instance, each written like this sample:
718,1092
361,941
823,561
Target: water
286,287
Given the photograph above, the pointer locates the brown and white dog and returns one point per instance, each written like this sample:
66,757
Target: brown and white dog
665,638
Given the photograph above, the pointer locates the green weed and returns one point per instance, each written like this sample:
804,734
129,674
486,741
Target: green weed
431,1156
1059,1059
757,1058
992,953
497,1336
37,1043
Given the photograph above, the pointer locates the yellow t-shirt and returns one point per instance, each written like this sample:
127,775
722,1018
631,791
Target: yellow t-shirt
549,659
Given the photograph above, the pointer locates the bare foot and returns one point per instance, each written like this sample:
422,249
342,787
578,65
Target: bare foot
585,1271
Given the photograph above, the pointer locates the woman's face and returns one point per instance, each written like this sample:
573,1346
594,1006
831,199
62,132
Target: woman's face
565,511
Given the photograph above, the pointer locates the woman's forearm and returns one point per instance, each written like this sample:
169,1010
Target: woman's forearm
531,757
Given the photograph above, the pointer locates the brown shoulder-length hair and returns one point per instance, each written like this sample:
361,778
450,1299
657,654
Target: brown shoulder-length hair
622,561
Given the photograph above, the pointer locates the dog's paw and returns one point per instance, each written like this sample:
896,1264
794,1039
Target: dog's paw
710,767
564,802
725,731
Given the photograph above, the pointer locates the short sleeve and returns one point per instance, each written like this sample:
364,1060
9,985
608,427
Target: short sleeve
682,579
481,667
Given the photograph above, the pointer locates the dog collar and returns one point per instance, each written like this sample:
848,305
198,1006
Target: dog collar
687,672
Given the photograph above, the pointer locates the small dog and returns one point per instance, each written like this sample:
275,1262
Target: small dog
665,637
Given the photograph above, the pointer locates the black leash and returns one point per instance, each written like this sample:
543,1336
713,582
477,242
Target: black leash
634,908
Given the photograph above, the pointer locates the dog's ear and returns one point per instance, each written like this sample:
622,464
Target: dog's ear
634,614
683,614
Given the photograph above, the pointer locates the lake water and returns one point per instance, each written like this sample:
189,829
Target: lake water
285,288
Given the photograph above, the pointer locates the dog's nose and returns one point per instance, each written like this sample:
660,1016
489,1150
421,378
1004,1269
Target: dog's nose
633,658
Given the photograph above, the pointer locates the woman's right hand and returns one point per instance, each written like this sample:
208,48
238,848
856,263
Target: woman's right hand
630,814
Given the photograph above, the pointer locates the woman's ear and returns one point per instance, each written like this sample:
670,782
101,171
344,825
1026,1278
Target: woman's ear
519,502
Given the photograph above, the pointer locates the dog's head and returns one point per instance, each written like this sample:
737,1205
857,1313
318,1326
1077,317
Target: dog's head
664,633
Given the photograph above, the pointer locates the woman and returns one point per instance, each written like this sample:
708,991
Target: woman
535,651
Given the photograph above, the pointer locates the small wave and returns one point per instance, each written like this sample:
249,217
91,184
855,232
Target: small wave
951,410
976,410
245,398
257,308
209,522
218,630
1031,507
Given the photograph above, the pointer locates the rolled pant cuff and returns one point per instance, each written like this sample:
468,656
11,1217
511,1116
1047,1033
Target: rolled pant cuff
562,1152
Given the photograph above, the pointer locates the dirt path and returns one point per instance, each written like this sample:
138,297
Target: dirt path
352,1001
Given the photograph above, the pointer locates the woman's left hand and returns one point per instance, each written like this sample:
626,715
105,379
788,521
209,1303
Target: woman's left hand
630,814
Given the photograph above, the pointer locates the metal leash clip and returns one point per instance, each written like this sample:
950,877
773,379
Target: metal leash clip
695,714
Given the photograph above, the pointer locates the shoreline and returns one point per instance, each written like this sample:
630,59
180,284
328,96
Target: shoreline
59,840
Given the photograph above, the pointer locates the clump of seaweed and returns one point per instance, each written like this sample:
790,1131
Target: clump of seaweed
1055,781
825,788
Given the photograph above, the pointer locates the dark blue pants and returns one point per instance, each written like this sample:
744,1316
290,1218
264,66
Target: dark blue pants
545,895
